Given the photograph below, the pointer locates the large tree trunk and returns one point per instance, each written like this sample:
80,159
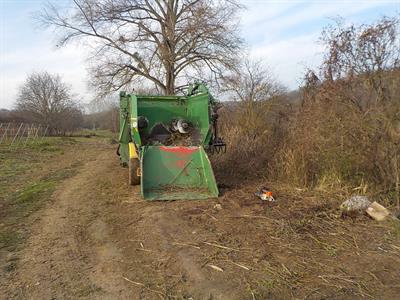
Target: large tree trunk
170,80
170,48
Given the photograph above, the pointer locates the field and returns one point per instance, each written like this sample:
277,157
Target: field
71,227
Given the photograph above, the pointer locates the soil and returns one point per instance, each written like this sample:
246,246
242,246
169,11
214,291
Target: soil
97,239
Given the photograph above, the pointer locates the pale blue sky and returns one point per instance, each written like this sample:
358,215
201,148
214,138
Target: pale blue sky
284,34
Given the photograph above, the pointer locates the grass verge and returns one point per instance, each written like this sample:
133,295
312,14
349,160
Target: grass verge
29,177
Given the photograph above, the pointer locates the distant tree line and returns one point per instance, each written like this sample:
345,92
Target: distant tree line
106,119
46,100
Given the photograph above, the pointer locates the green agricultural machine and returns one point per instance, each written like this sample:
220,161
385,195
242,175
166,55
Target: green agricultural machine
163,140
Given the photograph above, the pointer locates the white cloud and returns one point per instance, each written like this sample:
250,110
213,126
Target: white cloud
257,11
69,62
299,13
289,58
285,34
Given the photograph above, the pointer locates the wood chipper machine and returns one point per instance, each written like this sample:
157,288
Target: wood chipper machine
163,140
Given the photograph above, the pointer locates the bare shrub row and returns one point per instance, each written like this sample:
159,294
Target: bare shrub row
342,128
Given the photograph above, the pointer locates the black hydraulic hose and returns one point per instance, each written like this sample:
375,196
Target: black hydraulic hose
117,152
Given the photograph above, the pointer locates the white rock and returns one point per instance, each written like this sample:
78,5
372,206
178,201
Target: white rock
355,204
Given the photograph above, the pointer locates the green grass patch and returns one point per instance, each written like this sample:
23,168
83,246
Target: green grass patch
29,176
18,164
27,200
35,191
9,239
50,144
33,195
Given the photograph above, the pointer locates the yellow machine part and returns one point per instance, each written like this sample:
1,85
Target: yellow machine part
132,151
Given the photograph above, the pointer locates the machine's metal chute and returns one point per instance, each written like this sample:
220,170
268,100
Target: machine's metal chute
177,172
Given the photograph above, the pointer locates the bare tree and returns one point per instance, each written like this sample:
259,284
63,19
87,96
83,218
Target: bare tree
156,41
44,98
253,83
254,86
365,51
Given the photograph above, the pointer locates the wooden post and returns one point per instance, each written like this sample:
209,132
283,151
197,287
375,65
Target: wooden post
5,133
19,128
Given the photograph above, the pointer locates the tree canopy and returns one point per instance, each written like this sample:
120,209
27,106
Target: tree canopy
44,98
155,41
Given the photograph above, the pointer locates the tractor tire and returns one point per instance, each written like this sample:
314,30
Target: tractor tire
134,166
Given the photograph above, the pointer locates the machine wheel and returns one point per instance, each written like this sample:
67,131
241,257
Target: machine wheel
134,167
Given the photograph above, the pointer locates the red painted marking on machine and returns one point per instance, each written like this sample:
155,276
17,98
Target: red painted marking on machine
179,149
181,163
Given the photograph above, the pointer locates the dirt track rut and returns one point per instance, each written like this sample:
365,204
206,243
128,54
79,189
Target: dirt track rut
69,250
98,239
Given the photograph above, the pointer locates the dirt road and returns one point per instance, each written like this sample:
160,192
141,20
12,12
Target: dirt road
97,239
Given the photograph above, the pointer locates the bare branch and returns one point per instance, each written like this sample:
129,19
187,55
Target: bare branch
152,40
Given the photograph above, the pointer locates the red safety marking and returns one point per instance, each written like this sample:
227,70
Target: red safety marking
181,163
178,149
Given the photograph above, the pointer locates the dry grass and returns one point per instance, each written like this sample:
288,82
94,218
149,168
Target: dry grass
324,143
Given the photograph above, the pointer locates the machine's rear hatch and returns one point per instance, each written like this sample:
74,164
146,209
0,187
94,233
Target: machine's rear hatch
177,172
